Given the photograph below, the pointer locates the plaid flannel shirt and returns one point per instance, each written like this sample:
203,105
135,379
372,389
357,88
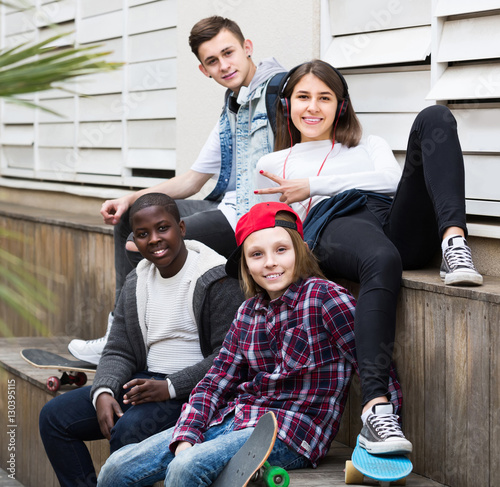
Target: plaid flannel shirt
294,356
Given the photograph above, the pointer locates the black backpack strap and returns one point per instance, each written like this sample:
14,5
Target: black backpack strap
271,98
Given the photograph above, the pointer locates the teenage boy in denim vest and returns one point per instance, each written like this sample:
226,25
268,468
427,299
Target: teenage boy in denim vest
240,138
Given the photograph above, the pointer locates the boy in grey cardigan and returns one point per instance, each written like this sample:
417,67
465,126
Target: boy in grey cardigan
170,320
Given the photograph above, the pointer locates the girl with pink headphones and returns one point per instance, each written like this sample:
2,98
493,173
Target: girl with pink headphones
367,220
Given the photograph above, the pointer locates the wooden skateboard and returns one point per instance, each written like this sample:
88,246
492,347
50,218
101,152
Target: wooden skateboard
249,463
386,469
73,371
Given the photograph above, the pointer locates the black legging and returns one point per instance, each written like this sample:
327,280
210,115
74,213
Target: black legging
373,250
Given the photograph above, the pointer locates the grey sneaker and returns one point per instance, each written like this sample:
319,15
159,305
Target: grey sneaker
457,268
90,350
381,434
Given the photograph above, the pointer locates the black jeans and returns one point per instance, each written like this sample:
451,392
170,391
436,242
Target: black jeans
373,247
204,222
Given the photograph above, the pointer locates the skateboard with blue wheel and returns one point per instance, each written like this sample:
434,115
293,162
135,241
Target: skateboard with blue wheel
386,469
249,464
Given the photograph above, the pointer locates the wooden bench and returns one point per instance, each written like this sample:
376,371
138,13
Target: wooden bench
447,352
71,256
32,466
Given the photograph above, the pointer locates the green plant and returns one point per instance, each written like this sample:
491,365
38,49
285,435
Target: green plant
33,68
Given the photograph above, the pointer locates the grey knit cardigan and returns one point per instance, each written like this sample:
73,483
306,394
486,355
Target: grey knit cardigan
215,300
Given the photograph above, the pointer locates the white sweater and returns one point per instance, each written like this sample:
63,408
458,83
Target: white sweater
172,334
370,166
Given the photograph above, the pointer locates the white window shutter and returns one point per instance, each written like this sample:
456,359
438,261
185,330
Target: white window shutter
123,133
399,57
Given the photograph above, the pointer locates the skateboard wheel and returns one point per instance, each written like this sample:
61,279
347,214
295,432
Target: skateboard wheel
276,477
80,379
53,384
352,475
400,481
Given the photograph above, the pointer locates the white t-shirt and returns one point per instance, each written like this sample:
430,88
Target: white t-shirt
370,166
209,162
172,336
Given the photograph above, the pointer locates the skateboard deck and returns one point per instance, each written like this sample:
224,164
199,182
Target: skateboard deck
386,469
249,463
73,371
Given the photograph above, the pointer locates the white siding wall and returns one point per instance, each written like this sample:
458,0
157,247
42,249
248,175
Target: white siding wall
127,125
288,30
399,56
156,112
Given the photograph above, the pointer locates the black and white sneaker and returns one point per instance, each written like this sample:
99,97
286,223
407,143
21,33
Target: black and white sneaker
457,268
381,433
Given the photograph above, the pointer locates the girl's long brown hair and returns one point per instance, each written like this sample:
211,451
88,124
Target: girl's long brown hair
348,131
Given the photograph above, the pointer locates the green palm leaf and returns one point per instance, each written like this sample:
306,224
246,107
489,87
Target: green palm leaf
33,68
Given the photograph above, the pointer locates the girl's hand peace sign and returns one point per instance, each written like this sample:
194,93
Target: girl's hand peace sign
292,190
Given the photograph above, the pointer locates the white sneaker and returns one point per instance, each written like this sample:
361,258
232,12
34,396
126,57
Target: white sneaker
90,350
457,268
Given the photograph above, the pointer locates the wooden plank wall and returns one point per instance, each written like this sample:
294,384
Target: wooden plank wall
34,469
32,466
447,353
77,267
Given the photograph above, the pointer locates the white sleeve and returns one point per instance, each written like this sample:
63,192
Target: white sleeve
99,392
272,163
383,178
209,158
171,389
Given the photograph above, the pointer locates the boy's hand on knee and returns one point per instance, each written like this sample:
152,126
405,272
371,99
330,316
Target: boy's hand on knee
146,390
107,407
183,445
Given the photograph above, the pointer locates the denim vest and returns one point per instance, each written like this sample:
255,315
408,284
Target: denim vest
254,139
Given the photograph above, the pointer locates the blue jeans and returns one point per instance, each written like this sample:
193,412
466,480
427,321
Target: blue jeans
152,461
70,419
